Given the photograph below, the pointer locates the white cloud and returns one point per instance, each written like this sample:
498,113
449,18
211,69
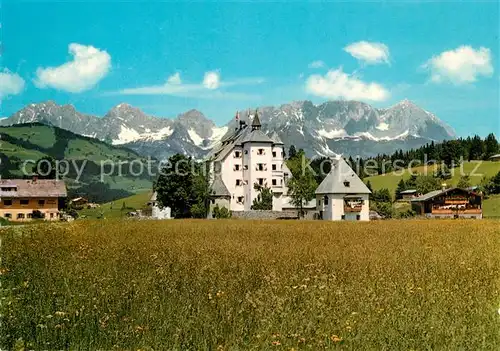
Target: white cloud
174,79
317,64
10,83
459,66
336,84
369,52
88,66
211,80
209,88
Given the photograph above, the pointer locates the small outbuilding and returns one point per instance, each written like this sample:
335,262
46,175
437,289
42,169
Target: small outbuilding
219,196
408,195
158,212
342,195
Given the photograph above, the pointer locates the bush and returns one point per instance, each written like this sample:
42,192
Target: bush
221,212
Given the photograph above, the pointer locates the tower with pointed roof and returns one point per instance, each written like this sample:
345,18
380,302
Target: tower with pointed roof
342,195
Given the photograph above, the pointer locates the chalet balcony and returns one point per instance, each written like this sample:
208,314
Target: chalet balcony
350,209
446,211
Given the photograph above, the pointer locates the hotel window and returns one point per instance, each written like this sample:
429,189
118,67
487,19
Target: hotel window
24,201
343,217
20,216
260,152
240,199
7,202
274,153
41,202
260,166
8,215
274,167
237,154
52,215
261,181
246,152
347,184
274,182
236,167
29,215
238,182
358,217
245,167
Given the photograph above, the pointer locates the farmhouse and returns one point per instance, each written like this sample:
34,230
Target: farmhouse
342,195
247,157
408,195
23,200
495,157
449,203
79,202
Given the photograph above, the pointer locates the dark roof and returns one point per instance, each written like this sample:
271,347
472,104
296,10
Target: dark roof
336,181
409,191
33,188
433,194
275,138
219,188
257,136
256,120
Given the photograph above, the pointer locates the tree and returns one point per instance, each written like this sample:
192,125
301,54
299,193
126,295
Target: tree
369,186
427,183
476,148
495,184
443,172
264,200
401,187
491,145
221,212
464,182
383,208
46,168
292,152
382,195
175,186
302,185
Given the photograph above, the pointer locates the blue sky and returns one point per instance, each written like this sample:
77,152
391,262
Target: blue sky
166,58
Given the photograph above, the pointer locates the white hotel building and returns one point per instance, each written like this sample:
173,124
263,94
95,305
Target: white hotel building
245,157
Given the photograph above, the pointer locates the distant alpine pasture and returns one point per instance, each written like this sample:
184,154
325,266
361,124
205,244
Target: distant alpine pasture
36,141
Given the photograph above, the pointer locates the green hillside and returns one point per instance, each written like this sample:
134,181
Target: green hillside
118,208
390,180
35,141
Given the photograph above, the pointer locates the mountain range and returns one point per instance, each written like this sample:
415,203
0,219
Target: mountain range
334,127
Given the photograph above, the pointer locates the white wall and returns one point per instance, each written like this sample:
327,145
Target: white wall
160,213
334,210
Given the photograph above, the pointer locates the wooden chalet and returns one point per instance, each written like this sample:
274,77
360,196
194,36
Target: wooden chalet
449,203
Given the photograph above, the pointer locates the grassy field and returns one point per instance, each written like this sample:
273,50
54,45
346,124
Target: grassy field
226,285
114,209
391,180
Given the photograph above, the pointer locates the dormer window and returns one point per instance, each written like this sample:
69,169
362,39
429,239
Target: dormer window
347,184
260,151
